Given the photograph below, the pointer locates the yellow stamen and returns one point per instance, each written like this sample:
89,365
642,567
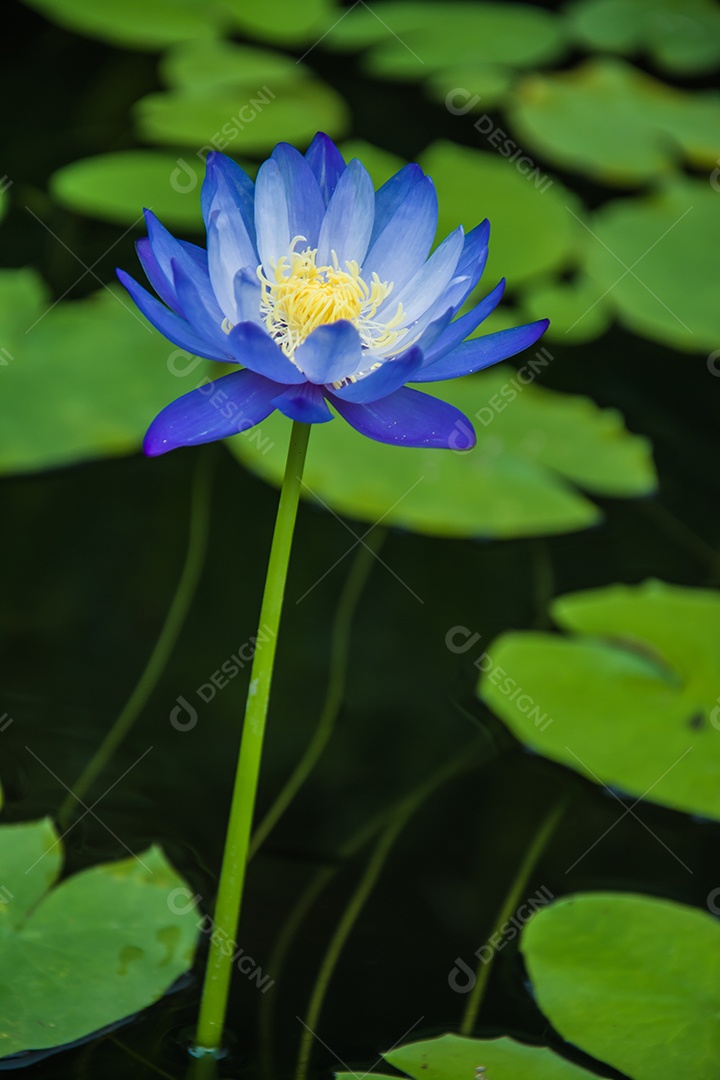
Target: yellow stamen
300,296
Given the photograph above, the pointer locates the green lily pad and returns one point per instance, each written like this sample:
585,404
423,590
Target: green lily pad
412,39
451,1057
283,21
80,380
533,446
246,118
682,36
576,309
532,231
470,88
654,260
116,187
631,980
631,701
95,949
139,24
211,64
614,123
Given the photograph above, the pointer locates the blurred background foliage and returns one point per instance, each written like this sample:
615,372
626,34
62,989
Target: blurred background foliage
588,133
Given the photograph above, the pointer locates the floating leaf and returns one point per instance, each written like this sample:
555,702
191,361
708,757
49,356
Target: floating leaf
533,444
470,87
139,24
451,1057
95,949
655,261
633,703
631,980
116,187
576,310
412,39
79,380
284,21
532,230
681,35
243,119
614,123
211,64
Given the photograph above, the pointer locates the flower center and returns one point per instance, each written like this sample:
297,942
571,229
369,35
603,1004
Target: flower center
300,296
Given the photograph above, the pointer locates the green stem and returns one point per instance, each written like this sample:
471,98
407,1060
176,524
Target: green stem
213,1005
184,594
336,688
512,900
399,819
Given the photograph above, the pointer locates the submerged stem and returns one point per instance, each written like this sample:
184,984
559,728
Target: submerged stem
213,1005
512,900
184,594
340,648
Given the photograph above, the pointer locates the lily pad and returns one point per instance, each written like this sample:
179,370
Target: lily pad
100,946
283,21
576,309
534,445
139,24
682,36
654,260
614,123
451,1057
631,980
412,39
632,701
210,64
244,118
532,231
116,187
80,380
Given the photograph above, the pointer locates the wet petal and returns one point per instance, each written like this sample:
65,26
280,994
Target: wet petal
305,403
170,325
327,164
348,220
253,347
233,403
306,205
227,187
410,418
391,375
330,353
481,352
272,220
403,245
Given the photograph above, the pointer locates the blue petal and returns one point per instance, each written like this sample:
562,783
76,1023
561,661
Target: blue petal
391,375
327,164
464,326
229,249
392,194
169,324
228,187
154,274
410,418
247,296
304,403
403,245
166,248
426,287
272,219
348,220
481,352
203,319
254,348
330,353
305,202
224,407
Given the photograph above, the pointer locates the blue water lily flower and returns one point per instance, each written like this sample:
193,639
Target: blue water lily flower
323,293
